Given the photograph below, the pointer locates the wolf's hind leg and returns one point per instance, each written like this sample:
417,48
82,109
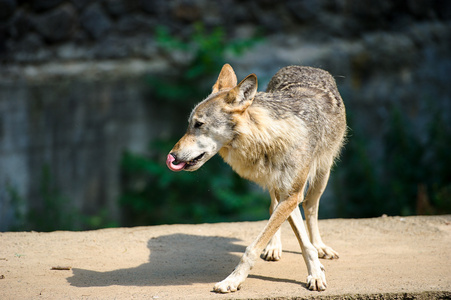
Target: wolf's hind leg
273,251
316,279
310,205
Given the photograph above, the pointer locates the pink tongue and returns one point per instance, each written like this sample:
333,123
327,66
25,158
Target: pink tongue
169,162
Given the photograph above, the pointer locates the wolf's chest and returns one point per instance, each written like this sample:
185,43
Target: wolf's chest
255,165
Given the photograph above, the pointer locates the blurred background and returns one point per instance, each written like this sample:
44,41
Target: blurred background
94,93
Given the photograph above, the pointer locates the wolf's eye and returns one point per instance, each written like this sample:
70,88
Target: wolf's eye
198,124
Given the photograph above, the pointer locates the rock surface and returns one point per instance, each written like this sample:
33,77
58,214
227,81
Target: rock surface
382,258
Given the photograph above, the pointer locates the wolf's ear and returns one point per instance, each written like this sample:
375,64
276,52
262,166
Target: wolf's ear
243,94
226,79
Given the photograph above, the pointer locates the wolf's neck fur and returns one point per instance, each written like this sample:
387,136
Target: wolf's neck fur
261,149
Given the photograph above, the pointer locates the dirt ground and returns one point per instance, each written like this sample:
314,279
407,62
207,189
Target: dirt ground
381,258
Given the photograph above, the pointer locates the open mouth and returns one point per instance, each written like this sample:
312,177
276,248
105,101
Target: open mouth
178,165
194,161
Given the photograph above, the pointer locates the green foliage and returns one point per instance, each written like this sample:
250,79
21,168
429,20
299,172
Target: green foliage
55,212
154,195
357,187
411,177
18,207
203,54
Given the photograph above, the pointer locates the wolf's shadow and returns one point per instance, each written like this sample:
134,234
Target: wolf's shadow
196,259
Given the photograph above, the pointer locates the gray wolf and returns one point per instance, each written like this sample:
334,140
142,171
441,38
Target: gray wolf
284,139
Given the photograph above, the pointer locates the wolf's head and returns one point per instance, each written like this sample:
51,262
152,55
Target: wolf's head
212,121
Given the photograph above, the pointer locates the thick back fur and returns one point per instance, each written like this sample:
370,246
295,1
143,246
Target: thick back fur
298,123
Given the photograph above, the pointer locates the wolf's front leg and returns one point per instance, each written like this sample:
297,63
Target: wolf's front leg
236,278
233,282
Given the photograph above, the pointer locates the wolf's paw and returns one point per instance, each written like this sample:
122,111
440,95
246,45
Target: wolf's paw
326,252
317,282
227,286
272,252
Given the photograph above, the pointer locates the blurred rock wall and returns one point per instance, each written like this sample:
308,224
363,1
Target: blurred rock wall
73,94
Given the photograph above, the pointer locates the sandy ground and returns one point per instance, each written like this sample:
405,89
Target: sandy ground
383,258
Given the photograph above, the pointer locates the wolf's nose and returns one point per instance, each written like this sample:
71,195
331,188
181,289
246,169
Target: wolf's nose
173,155
174,158
169,160
173,164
